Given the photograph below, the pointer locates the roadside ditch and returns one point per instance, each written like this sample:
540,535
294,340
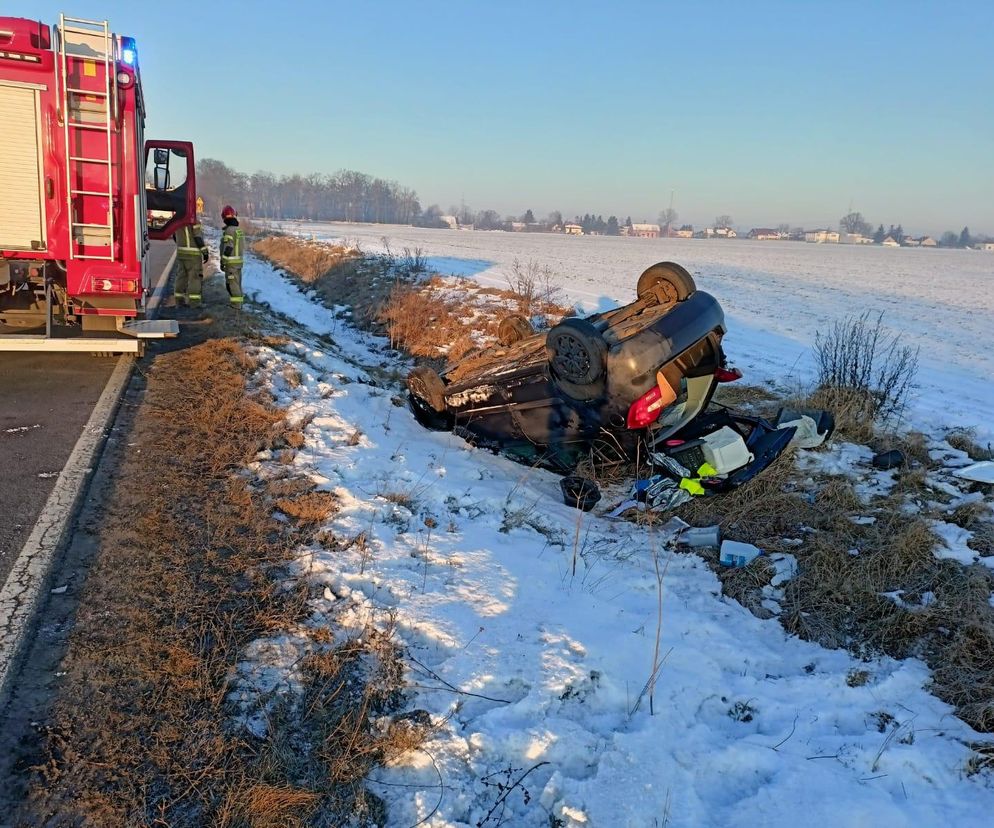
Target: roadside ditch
897,562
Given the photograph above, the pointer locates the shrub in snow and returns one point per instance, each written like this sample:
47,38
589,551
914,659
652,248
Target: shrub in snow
865,367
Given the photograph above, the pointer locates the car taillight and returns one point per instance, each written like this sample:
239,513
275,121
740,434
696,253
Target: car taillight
727,374
646,409
114,284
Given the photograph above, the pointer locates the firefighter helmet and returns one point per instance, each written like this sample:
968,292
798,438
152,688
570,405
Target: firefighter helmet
228,212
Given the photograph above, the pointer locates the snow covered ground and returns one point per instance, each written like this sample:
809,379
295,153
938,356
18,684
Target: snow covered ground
528,669
776,295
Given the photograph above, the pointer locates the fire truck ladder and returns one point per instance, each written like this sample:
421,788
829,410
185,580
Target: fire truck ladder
85,45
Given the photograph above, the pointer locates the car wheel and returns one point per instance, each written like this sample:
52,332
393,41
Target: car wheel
576,351
667,282
425,384
427,416
513,329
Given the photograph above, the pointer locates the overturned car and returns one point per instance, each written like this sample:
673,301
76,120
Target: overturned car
639,377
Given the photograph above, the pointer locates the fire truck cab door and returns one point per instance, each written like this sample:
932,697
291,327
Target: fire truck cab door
170,187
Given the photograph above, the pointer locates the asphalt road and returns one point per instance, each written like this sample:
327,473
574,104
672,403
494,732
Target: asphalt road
45,400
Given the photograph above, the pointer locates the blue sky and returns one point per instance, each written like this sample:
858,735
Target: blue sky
769,112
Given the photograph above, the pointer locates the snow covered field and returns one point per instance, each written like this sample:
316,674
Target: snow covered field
525,667
776,295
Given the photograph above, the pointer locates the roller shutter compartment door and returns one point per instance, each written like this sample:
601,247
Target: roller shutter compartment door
21,212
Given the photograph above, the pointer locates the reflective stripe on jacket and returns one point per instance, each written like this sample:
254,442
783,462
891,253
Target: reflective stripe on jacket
189,241
233,240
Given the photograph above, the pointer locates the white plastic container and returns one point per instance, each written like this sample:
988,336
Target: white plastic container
736,553
725,450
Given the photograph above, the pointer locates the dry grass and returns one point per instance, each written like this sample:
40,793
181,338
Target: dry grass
764,512
971,515
339,275
913,444
311,507
853,410
427,323
192,568
309,260
966,440
838,597
982,541
752,397
446,319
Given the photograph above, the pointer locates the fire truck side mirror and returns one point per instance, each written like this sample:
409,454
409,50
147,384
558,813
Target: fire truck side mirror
170,187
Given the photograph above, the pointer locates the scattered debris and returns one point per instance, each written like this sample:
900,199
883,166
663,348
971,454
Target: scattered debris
812,427
580,493
982,472
736,553
893,459
697,537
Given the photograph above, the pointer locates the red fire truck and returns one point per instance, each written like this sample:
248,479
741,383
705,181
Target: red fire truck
77,183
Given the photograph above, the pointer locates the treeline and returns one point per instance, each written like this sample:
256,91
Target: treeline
344,196
855,223
492,220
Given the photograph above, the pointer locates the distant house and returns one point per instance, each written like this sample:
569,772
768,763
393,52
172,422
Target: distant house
451,221
928,241
517,226
573,229
764,234
988,246
685,232
890,242
725,233
821,236
854,238
910,241
645,231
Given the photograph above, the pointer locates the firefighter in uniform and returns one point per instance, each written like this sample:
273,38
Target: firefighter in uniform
232,244
191,255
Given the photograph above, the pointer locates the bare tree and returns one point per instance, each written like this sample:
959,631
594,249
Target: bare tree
723,221
346,195
667,217
488,220
783,229
854,223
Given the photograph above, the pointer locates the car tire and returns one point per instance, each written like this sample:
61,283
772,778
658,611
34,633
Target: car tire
425,384
513,329
428,417
577,352
667,282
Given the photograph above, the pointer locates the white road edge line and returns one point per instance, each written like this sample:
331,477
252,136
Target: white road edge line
30,573
155,298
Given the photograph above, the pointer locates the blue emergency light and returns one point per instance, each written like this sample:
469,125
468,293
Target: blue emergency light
129,54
